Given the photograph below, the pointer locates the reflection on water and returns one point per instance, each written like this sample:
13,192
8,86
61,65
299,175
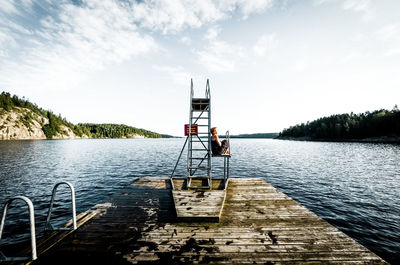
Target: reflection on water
353,186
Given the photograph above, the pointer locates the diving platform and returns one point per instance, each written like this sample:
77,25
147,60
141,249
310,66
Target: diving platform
199,205
258,225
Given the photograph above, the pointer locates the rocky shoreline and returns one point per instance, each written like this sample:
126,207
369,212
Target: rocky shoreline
24,124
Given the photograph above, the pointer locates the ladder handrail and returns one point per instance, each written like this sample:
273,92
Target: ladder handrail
226,160
228,138
32,227
48,225
208,93
190,125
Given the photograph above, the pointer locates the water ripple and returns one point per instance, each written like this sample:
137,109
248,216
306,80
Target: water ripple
353,186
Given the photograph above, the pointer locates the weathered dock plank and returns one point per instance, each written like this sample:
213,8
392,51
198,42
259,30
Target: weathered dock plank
198,205
258,225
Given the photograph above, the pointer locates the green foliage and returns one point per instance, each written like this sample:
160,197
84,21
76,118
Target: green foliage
256,135
113,131
53,127
348,126
8,103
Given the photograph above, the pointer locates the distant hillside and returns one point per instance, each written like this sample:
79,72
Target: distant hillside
168,136
21,119
380,125
256,135
114,131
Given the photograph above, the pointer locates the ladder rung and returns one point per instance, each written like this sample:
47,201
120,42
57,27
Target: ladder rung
204,149
200,98
199,177
200,104
199,167
200,187
198,158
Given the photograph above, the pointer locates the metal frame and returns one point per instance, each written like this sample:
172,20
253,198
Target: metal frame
226,160
48,225
192,167
32,226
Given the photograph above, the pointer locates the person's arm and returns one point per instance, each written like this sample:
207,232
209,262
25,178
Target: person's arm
218,141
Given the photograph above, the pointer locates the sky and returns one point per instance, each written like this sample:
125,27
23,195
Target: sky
271,64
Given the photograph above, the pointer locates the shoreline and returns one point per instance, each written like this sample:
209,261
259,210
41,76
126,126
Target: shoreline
377,140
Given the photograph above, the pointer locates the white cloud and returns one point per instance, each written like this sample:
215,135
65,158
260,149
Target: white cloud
245,7
265,44
71,41
220,56
254,6
320,2
186,40
173,16
77,41
15,6
393,52
212,33
8,7
389,32
6,42
362,6
357,5
177,74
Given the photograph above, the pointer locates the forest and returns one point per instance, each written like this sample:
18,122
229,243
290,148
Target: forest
113,131
8,103
256,135
379,123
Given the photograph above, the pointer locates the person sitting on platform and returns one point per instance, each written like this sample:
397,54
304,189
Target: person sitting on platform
218,147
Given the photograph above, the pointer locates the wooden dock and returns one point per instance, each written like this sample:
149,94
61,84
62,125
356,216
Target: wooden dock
198,205
258,225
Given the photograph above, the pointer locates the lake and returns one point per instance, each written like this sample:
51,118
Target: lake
354,186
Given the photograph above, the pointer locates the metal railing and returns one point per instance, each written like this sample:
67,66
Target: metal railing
32,226
48,225
226,159
32,220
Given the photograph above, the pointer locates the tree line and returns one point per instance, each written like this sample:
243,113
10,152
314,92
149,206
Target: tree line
8,103
113,131
256,135
379,123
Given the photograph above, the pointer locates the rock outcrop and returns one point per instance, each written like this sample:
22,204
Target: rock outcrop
24,124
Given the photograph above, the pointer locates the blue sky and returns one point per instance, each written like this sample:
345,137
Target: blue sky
271,64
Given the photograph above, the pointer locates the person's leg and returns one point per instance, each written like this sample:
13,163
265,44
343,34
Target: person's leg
224,147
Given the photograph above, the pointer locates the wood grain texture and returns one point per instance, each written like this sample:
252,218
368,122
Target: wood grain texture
193,205
258,225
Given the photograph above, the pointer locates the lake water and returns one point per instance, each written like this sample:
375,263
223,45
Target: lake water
354,186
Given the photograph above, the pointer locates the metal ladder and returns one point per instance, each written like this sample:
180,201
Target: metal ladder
199,140
32,226
32,220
